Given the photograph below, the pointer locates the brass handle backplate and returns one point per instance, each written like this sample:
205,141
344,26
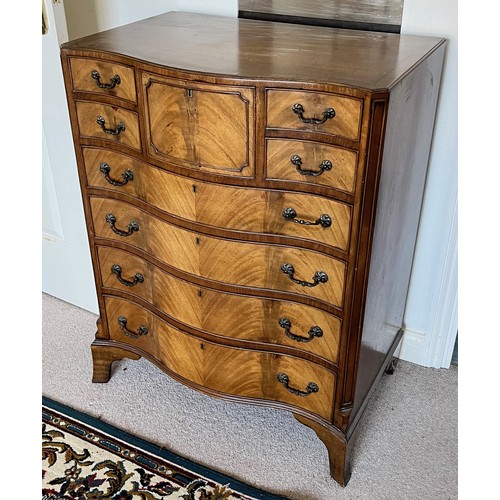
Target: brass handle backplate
319,276
324,166
111,131
311,386
328,114
324,220
113,82
142,330
286,324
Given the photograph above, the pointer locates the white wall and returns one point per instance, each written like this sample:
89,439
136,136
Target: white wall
90,16
431,315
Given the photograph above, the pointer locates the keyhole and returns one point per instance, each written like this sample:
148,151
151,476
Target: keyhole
202,346
200,293
197,241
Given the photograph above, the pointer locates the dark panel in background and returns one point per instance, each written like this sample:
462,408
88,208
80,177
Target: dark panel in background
372,15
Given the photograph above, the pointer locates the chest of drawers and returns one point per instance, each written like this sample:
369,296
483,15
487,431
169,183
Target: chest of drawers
252,193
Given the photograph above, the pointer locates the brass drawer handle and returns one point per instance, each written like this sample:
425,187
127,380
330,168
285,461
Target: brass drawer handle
286,324
102,122
324,220
142,330
128,175
311,386
117,271
131,228
328,114
116,80
324,166
319,276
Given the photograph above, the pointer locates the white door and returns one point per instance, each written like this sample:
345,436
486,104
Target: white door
66,263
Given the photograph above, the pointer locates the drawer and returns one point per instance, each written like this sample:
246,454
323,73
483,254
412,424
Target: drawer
314,112
312,163
103,77
239,372
112,123
200,126
303,216
254,265
239,316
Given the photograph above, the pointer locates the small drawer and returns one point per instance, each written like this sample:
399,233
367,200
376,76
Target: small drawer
103,77
314,112
111,123
304,216
239,372
244,264
312,163
252,319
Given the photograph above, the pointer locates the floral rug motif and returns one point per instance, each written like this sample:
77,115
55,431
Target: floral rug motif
86,459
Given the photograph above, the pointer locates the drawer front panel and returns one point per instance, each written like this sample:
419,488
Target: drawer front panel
313,113
311,163
238,372
238,316
103,77
246,264
205,127
124,174
327,221
112,123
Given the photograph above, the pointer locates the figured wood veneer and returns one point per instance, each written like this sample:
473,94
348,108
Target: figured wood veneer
81,75
206,127
227,261
188,202
246,373
250,318
344,162
345,123
88,113
241,209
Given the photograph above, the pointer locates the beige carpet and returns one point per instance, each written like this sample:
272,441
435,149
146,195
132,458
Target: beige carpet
406,449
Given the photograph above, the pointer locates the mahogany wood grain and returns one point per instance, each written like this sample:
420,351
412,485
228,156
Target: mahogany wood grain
247,49
103,358
241,263
217,205
338,447
247,373
210,141
399,201
82,80
205,127
250,318
88,112
345,123
341,176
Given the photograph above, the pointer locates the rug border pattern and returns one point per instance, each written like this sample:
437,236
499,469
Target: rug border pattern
143,452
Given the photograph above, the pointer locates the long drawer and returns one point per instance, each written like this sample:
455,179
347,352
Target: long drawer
314,218
272,267
246,373
229,315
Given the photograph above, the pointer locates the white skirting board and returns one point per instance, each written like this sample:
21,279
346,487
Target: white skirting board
434,348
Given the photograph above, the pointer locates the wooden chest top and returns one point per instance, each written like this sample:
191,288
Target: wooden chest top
247,49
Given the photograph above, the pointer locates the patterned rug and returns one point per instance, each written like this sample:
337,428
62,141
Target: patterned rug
86,459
